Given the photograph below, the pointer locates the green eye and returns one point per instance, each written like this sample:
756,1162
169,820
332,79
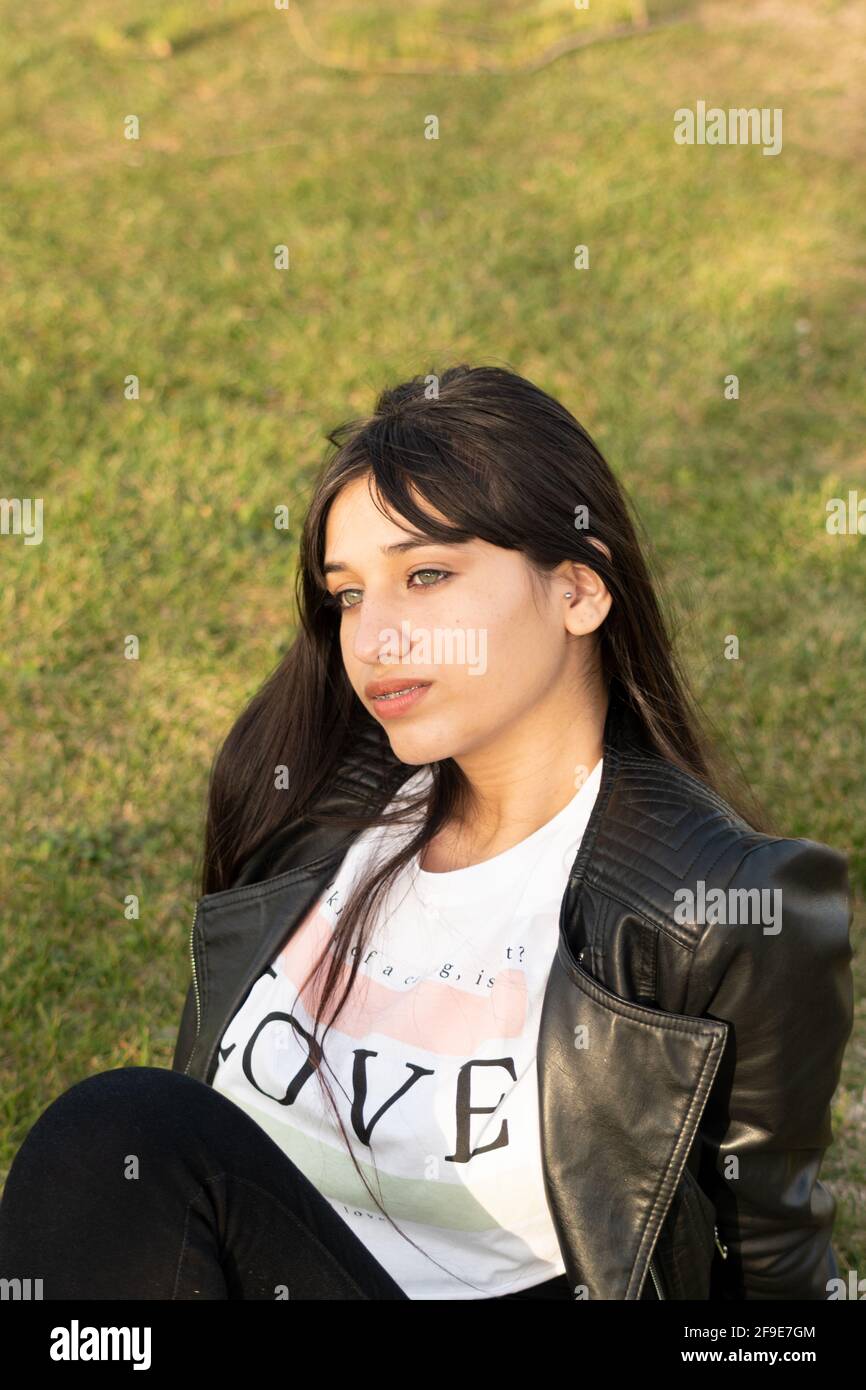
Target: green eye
443,573
336,600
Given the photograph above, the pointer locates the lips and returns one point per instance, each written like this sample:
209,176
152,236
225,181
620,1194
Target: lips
385,690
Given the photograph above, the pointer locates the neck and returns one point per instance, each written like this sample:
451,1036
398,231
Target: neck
529,776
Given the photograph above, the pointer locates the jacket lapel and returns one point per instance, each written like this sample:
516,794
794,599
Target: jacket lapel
237,933
621,1092
622,1088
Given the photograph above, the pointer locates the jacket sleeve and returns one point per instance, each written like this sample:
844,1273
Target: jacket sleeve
784,985
186,1032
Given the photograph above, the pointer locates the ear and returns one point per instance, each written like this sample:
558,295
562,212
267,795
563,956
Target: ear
590,599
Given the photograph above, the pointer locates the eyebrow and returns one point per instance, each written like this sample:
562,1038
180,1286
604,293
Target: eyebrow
397,548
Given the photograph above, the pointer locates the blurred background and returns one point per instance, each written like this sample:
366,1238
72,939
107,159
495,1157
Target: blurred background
155,258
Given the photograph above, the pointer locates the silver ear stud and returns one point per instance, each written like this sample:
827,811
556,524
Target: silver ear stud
566,595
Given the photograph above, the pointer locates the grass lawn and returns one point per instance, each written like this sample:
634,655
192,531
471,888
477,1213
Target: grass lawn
155,258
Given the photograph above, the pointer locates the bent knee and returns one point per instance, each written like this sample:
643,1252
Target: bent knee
95,1109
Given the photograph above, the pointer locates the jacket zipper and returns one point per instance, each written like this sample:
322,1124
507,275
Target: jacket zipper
195,989
722,1248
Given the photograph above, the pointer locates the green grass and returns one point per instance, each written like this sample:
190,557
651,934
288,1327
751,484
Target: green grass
155,257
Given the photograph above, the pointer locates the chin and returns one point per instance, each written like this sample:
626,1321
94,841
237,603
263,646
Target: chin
414,749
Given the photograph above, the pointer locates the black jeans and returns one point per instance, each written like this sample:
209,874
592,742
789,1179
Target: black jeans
215,1210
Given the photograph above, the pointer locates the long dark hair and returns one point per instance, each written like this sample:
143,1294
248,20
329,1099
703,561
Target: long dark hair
508,464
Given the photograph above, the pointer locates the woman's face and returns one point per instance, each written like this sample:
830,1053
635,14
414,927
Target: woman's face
496,655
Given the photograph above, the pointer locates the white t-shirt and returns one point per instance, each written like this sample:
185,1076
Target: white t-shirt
432,1061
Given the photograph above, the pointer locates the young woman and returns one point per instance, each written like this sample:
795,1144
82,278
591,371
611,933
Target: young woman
495,994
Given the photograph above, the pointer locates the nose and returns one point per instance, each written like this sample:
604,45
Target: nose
382,632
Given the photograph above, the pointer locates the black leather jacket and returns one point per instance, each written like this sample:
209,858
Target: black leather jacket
685,1067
